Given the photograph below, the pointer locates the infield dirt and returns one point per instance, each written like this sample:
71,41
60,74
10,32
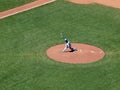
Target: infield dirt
111,3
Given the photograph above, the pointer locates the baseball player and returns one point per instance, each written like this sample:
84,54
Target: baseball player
68,45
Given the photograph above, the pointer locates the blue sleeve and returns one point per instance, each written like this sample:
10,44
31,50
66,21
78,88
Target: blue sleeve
63,37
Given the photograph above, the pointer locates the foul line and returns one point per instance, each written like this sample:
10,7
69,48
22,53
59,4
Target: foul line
23,8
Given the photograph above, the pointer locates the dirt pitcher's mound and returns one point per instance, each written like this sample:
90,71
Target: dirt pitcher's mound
84,53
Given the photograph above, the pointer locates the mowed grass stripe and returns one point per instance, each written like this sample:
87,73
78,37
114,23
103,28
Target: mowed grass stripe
9,4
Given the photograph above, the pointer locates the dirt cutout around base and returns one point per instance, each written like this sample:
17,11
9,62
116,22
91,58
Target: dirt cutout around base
84,54
111,3
81,1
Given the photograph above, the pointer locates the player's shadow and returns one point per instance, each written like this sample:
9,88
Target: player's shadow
73,50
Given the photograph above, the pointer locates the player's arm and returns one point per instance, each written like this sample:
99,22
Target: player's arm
64,48
63,37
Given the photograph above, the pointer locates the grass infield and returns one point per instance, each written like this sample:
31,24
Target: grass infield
9,4
25,37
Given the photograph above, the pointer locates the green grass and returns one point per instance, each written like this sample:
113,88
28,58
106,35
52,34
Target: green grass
25,37
8,4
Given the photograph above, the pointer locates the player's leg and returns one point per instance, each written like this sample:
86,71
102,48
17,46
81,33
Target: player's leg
72,49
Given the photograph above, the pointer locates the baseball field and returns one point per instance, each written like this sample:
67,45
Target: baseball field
25,37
